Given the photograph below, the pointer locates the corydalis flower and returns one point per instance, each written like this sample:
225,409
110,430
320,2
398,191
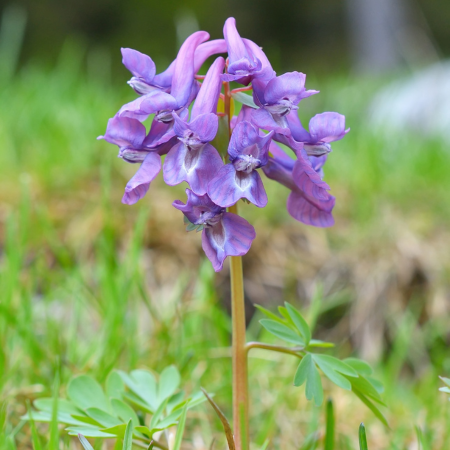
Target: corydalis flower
277,98
193,159
224,234
301,205
248,151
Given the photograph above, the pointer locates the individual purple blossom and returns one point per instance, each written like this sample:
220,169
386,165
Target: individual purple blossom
193,159
143,68
277,98
129,134
224,234
247,151
300,204
242,63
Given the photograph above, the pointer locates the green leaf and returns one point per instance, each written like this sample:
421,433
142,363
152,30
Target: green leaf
288,321
102,417
299,322
128,438
34,434
138,402
114,385
87,419
360,366
281,331
445,389
362,438
116,430
46,404
85,392
158,413
329,430
330,366
180,430
371,406
175,401
145,387
169,381
84,442
445,380
307,371
124,411
223,419
363,386
311,441
88,432
269,314
378,385
244,99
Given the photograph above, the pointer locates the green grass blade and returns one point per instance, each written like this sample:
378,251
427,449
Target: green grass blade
362,438
180,429
330,424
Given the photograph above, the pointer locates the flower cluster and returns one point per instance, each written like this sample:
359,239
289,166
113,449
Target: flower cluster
185,139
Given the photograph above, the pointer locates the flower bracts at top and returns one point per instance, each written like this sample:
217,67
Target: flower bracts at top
186,139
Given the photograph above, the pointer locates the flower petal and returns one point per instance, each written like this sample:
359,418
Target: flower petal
140,65
228,186
205,126
183,75
263,119
327,127
311,211
308,180
232,236
290,85
124,132
148,104
196,167
138,186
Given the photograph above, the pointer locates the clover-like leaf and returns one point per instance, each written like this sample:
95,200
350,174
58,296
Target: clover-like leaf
282,331
169,381
85,392
307,371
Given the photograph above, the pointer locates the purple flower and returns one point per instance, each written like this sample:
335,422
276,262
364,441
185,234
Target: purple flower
277,99
243,64
248,151
224,234
129,135
183,87
301,205
193,159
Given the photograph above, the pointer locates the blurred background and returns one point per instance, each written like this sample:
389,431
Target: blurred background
88,284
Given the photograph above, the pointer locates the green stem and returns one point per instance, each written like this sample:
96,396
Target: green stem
275,348
239,351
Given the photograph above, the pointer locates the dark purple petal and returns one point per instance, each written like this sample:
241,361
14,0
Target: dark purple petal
198,208
327,127
138,186
280,156
228,186
279,172
124,132
308,180
183,75
197,167
160,133
310,211
140,65
296,127
232,236
208,95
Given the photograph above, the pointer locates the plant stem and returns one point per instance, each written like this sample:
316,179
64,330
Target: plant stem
275,348
239,352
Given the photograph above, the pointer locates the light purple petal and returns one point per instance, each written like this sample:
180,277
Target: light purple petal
196,167
124,132
327,127
244,135
228,186
205,126
208,95
232,236
164,79
198,207
308,180
159,134
138,186
183,75
296,127
179,125
207,49
263,119
148,104
266,72
138,64
310,211
235,44
280,156
290,85
275,170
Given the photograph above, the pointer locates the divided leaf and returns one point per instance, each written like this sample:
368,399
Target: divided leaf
333,368
169,381
85,392
307,371
282,331
299,322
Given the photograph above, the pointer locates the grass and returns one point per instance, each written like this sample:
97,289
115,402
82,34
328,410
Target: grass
88,284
